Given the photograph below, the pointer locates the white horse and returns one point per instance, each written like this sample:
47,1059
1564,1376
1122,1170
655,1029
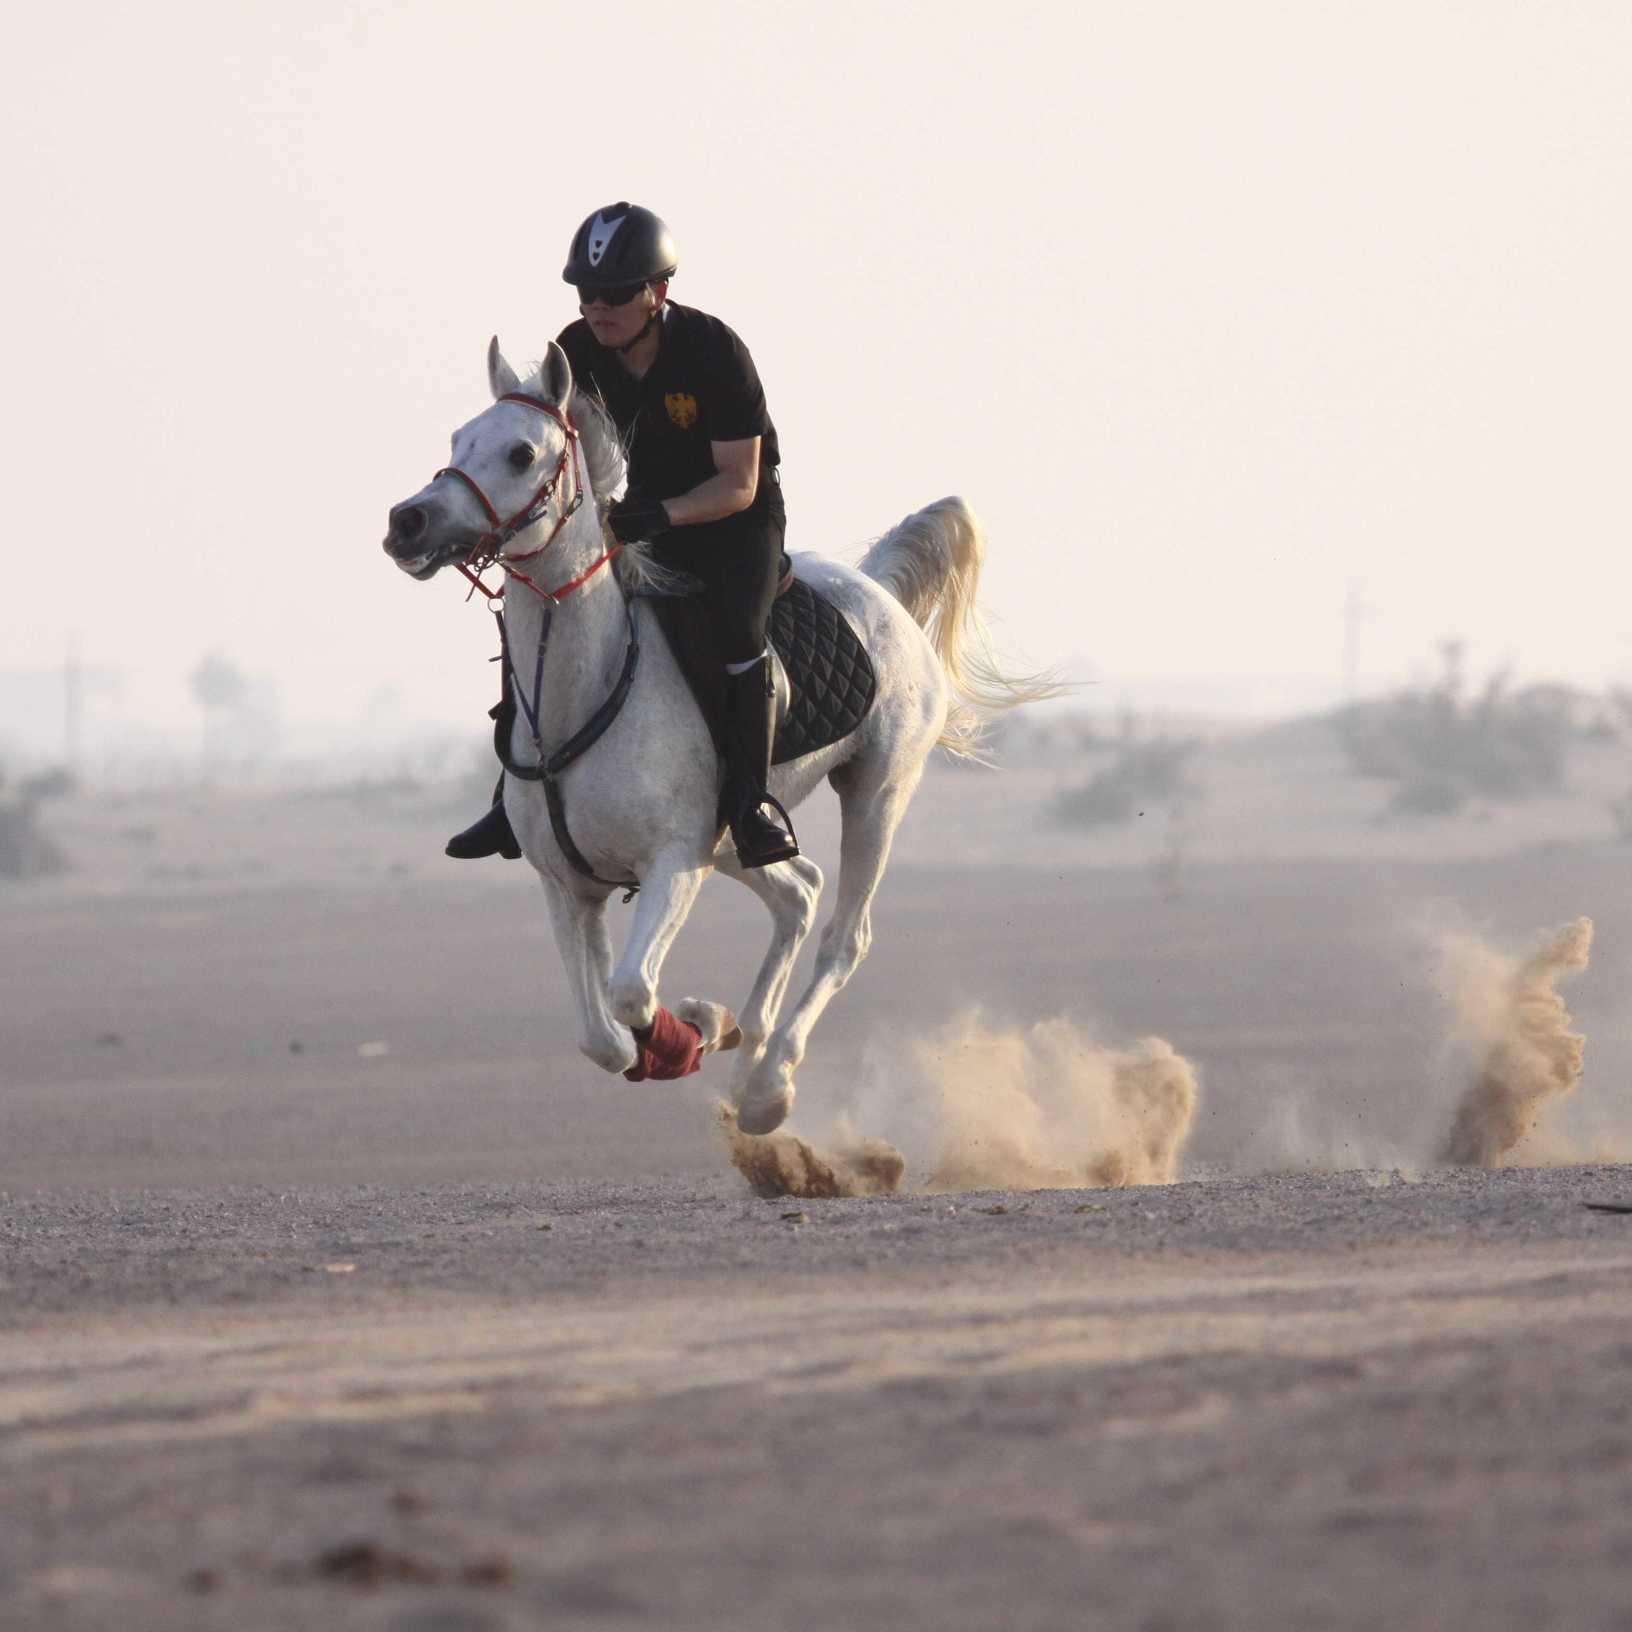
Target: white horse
642,801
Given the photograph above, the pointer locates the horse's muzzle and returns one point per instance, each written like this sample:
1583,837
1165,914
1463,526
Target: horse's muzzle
421,541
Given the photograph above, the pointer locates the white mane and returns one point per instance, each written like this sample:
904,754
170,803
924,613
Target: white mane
608,465
603,447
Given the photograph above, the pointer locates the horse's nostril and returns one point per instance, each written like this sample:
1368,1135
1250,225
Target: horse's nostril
408,522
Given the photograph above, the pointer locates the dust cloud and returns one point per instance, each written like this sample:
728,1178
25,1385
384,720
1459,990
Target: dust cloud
1047,1107
989,1107
978,1106
783,1164
1513,1022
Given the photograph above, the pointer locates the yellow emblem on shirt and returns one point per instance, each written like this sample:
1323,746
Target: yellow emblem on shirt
682,408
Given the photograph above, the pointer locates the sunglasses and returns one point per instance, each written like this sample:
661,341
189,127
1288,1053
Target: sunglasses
608,294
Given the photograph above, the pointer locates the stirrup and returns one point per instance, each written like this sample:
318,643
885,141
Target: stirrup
783,847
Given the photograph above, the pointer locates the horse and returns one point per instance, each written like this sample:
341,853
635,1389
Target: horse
635,806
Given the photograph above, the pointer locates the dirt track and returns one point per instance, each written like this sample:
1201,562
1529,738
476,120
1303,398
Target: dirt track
284,1341
1381,1401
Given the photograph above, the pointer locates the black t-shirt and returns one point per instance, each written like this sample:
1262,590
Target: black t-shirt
702,388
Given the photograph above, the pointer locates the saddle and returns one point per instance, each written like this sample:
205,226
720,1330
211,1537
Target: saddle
829,673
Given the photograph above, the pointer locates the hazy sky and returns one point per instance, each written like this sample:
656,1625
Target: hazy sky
1210,310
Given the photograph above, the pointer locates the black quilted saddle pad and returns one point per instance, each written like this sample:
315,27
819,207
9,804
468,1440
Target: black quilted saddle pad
828,670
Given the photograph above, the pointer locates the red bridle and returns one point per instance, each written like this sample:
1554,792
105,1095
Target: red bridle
486,551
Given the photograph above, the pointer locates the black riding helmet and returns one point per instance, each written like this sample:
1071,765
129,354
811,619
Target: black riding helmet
621,243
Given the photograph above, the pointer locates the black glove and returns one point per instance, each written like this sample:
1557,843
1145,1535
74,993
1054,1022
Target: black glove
632,520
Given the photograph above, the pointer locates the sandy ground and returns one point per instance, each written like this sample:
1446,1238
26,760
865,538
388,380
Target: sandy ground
417,1407
335,1292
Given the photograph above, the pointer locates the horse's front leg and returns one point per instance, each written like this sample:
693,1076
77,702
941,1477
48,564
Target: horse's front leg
667,892
586,952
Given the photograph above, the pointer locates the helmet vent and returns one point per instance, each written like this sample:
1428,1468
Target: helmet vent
600,235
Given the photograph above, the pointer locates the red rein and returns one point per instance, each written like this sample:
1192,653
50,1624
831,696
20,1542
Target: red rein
503,531
562,591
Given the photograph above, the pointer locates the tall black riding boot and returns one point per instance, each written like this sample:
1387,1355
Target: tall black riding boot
491,836
750,730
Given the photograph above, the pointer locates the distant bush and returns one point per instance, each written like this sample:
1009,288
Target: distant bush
1441,749
1143,776
1602,730
1621,809
26,852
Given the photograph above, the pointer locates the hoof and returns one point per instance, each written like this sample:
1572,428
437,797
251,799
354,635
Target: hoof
716,1023
616,1054
764,1113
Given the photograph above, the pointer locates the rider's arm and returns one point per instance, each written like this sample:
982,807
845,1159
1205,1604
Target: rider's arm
731,488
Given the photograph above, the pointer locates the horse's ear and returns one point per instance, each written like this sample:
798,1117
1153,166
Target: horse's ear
500,375
557,377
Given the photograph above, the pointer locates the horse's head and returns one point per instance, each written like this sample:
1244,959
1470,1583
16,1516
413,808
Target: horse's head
514,465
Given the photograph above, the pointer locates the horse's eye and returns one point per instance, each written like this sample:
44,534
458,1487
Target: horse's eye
522,457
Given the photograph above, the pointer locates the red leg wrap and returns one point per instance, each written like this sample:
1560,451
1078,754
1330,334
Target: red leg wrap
669,1048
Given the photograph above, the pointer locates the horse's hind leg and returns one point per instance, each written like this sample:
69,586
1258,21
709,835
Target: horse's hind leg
871,812
586,952
790,891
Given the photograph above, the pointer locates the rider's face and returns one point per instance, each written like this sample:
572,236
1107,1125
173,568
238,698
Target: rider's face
618,325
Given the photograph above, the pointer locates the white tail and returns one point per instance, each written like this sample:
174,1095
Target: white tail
930,562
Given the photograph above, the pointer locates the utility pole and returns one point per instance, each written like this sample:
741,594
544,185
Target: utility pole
73,706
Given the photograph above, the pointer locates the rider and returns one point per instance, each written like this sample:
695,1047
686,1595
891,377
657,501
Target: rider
704,489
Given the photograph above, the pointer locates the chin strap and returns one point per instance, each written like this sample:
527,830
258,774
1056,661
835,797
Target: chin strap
646,328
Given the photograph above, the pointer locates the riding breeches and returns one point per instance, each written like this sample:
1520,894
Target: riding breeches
738,560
